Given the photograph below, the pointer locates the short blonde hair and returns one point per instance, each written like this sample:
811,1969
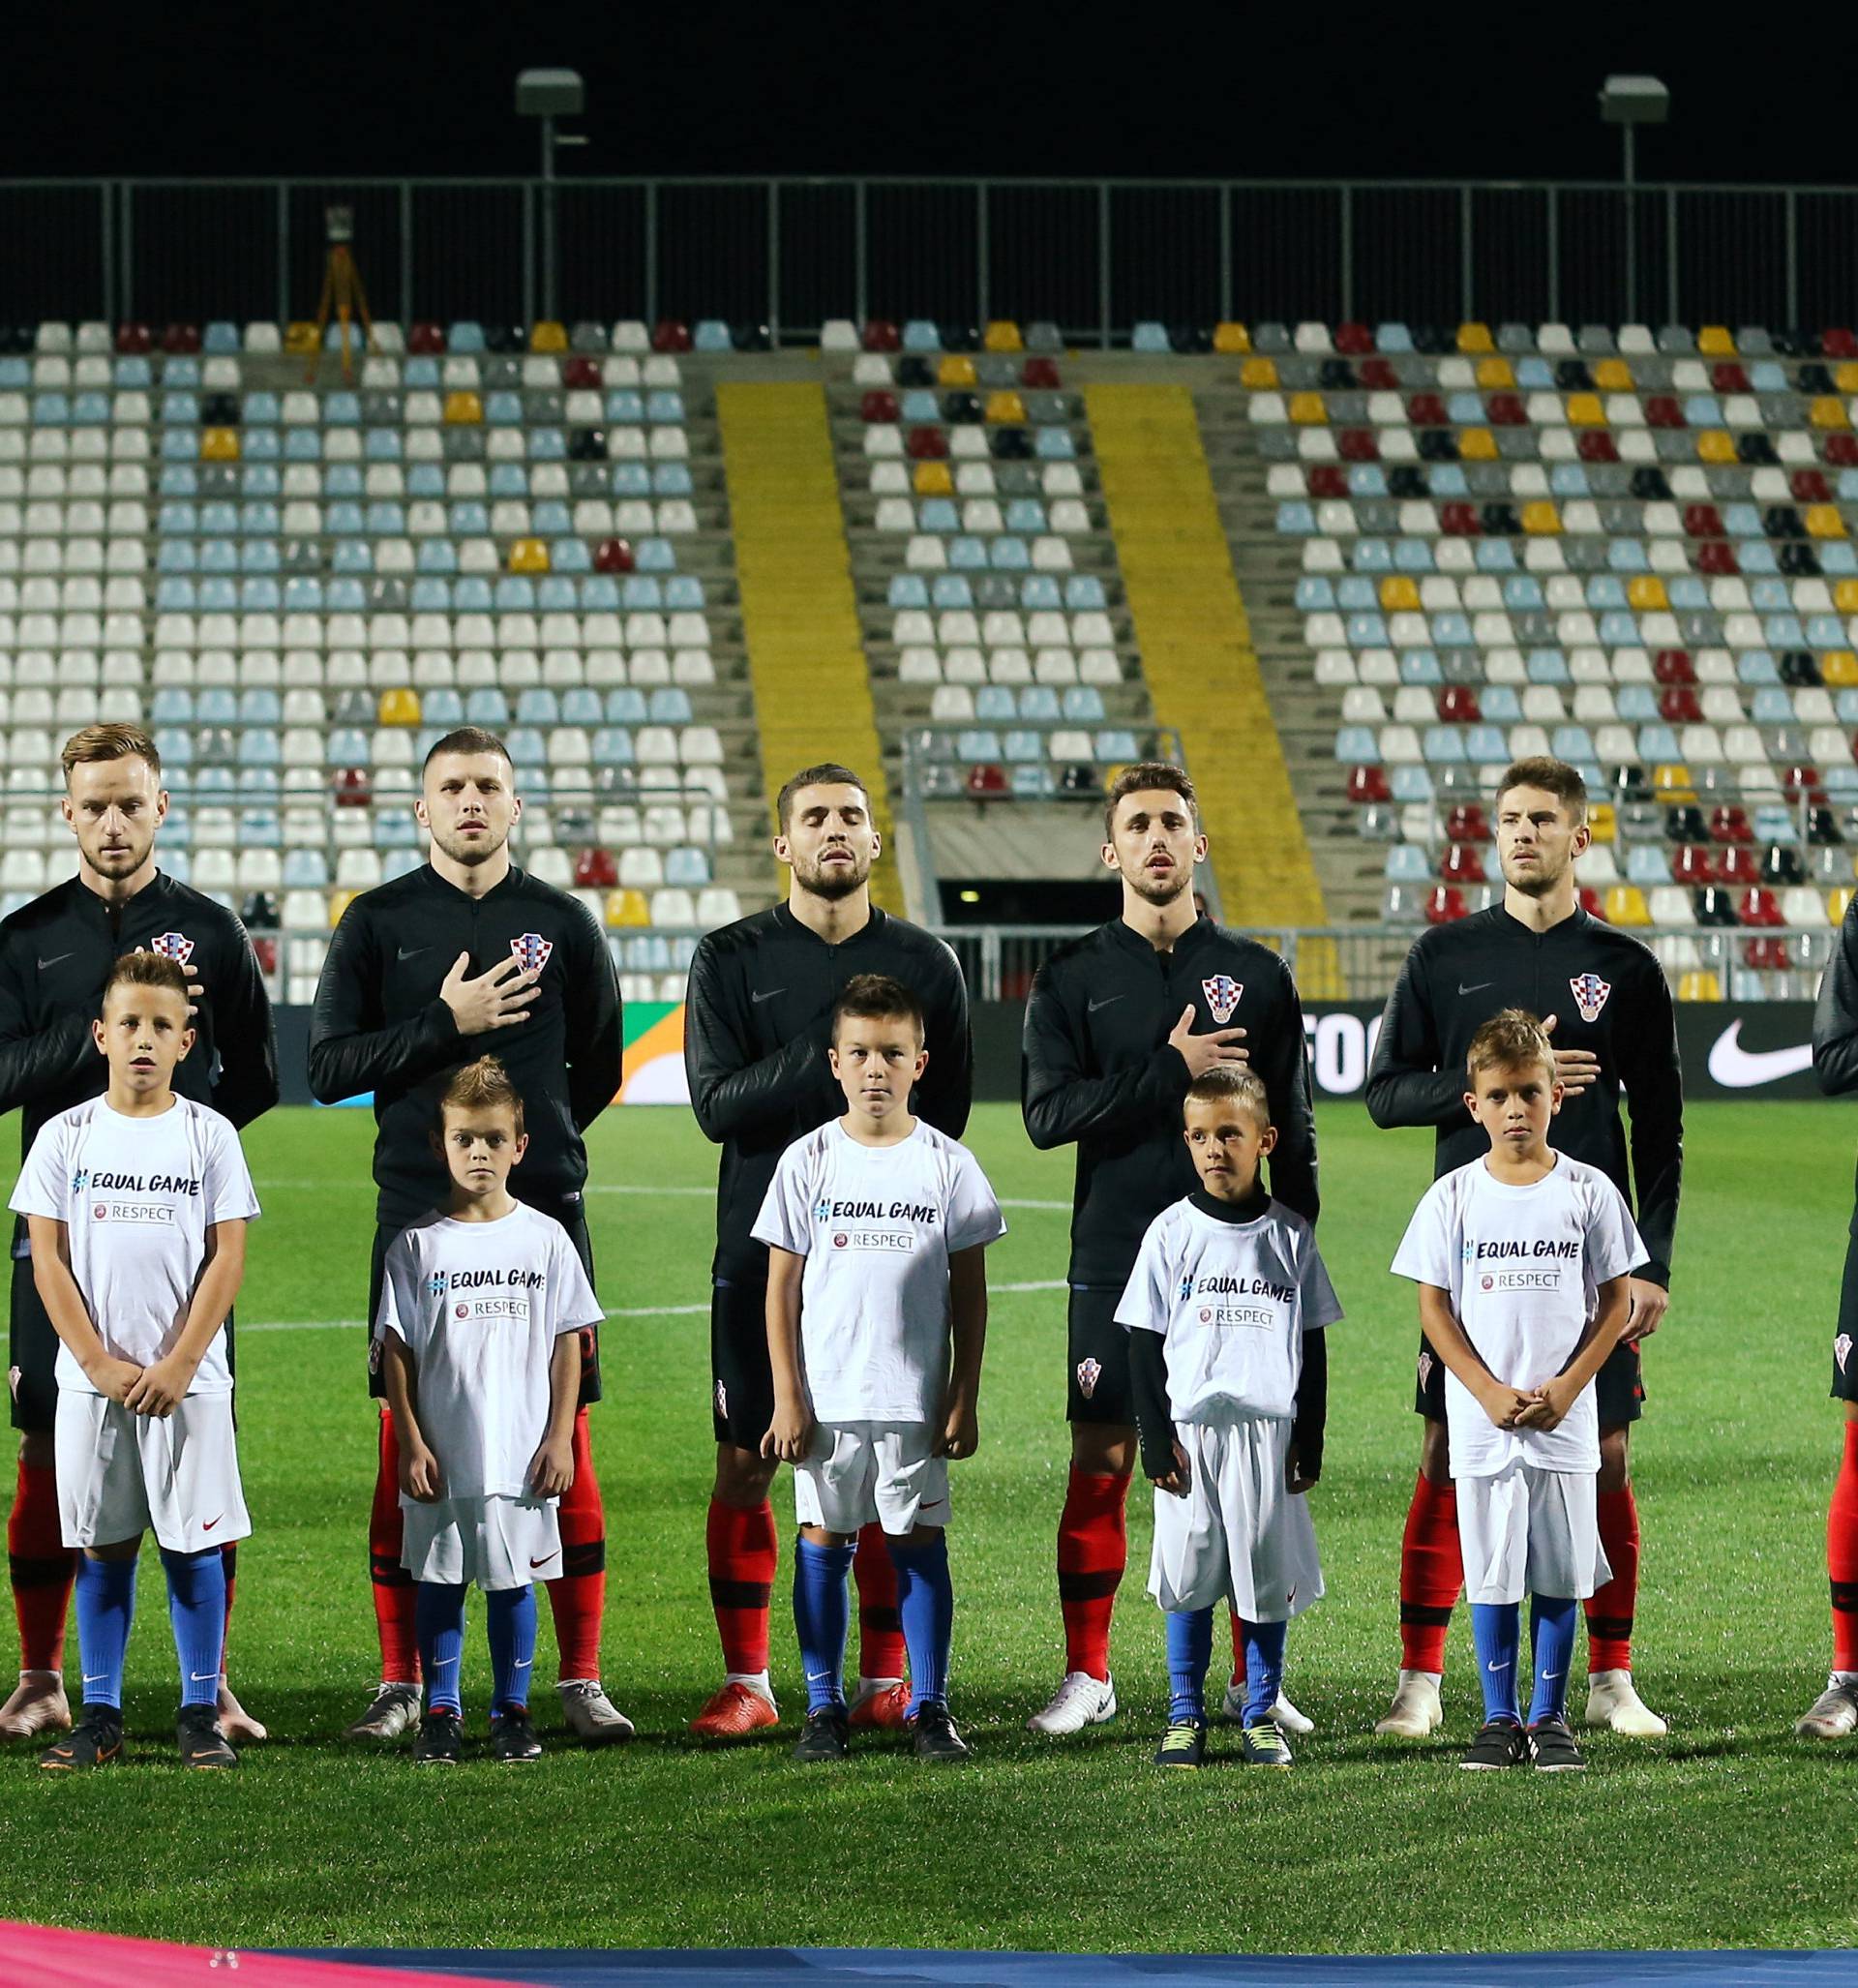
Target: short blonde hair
482,1086
98,742
1230,1083
1513,1039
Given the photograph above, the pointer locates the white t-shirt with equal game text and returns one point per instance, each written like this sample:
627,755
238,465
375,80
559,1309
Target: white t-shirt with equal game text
1232,1301
1523,1267
136,1196
479,1306
877,1225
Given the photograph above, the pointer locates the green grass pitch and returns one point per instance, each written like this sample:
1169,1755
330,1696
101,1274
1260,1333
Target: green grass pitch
1730,1832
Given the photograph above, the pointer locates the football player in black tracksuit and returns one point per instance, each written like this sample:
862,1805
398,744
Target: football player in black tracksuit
1608,1005
55,954
470,957
756,1034
1119,1024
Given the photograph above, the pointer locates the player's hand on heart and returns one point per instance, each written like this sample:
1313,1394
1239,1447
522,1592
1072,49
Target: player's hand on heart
790,1435
960,1431
1180,1478
1200,1053
1575,1069
551,1469
1295,1482
161,1387
1506,1407
493,1000
113,1379
419,1476
195,994
1647,1303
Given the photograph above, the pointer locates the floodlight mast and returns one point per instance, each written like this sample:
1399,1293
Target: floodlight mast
547,93
1630,100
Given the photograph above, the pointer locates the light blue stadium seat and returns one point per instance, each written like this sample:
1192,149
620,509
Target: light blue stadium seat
1547,666
1008,555
1500,705
626,706
1406,863
1371,556
513,594
687,867
1442,745
1392,337
1574,744
1148,336
1356,746
919,335
951,591
665,408
1647,865
1115,745
1410,783
465,335
1568,480
1083,594
1039,704
1419,666
1315,594
1603,590
1413,556
1367,480
1657,744
611,746
1366,631
1055,445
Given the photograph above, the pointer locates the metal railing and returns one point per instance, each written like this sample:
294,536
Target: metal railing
1093,256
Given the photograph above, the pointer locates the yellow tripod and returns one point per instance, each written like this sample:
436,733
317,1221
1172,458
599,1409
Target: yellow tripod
342,289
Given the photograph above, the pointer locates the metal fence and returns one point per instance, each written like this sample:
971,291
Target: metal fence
1095,256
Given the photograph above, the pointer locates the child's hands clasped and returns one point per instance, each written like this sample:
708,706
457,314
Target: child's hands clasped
551,1469
161,1388
1548,1405
1506,1407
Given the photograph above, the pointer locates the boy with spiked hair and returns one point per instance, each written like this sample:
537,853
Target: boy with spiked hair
1229,1367
1522,1259
138,1202
876,1227
482,1307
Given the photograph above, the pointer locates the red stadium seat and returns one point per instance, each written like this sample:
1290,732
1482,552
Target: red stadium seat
1459,705
1358,445
1595,446
927,444
1592,903
1506,410
1661,410
1460,519
594,870
1328,480
426,337
1445,904
1841,449
1803,779
1377,377
1759,906
1427,411
1040,374
879,403
1367,784
1727,376
1839,342
1717,556
1728,823
181,339
984,782
671,335
1353,341
1703,521
1678,704
1464,864
264,949
1696,866
882,336
581,373
351,787
1810,487
1673,666
1466,822
1738,864
1766,955
612,556
134,340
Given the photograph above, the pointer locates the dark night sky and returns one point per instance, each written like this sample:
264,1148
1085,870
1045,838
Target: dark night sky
700,88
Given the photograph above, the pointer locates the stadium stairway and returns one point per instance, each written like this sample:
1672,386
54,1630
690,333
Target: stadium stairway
1196,650
800,617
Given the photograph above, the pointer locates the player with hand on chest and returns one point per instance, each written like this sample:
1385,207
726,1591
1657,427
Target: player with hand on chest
1119,1025
1609,1012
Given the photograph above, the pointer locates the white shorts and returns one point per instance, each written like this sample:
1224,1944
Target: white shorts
496,1542
121,1474
1238,1536
1531,1531
859,1473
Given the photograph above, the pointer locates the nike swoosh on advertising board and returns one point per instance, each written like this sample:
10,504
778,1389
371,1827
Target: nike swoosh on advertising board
1737,1069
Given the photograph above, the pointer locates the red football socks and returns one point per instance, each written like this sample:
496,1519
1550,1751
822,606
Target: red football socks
43,1568
1431,1574
1092,1549
1609,1613
742,1554
393,1586
881,1651
1842,1556
578,1598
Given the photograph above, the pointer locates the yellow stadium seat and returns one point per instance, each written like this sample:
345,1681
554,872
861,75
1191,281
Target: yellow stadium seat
1828,410
931,479
1845,376
1838,666
1540,518
1475,337
1258,373
1477,445
1612,376
1698,985
529,556
219,445
1002,335
1601,825
548,335
1671,781
1838,903
1308,408
339,902
1713,341
1231,339
1645,593
1824,521
462,407
1844,597
1626,906
1496,374
627,908
398,706
1400,596
956,369
1586,412
300,338
1715,445
1005,405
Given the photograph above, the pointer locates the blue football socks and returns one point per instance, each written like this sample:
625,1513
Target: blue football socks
1496,1633
926,1602
1551,1629
439,1622
1189,1652
510,1618
1264,1668
821,1618
196,1608
106,1609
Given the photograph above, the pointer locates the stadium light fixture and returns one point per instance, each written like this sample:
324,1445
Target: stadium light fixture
1630,100
546,94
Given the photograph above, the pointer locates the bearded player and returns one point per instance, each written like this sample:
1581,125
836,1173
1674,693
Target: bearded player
1607,1007
467,956
55,955
1119,1025
758,1025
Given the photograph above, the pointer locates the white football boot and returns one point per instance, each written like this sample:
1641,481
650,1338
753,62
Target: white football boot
1416,1711
1080,1700
1613,1702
